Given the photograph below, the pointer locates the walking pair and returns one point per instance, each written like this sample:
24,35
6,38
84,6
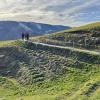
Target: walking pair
25,36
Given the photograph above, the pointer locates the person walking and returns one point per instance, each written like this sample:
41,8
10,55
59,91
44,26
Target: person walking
23,36
27,36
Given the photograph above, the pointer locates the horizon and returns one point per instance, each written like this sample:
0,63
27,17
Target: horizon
48,23
55,12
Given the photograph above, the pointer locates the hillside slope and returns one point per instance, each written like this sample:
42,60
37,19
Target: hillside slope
29,71
11,30
87,36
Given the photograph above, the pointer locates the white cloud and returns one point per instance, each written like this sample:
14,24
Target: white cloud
83,6
64,12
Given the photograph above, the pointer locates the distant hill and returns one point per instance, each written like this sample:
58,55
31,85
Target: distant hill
10,30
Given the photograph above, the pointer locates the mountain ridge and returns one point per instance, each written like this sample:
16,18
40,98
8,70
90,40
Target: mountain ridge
13,29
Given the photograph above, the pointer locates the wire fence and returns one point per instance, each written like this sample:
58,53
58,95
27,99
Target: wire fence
72,44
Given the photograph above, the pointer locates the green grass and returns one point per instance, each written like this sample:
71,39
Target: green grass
63,79
89,27
11,43
76,84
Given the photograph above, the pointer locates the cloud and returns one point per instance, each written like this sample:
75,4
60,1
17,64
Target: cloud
65,12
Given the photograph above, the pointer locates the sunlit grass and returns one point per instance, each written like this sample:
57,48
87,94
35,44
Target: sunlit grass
11,43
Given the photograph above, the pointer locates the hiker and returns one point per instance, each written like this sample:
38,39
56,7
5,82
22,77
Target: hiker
23,36
27,36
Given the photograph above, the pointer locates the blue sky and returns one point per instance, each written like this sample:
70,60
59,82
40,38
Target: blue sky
64,12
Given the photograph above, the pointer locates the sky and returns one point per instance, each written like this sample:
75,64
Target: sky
64,12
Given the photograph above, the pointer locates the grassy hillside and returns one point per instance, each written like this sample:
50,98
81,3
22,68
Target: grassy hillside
89,27
87,36
29,71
